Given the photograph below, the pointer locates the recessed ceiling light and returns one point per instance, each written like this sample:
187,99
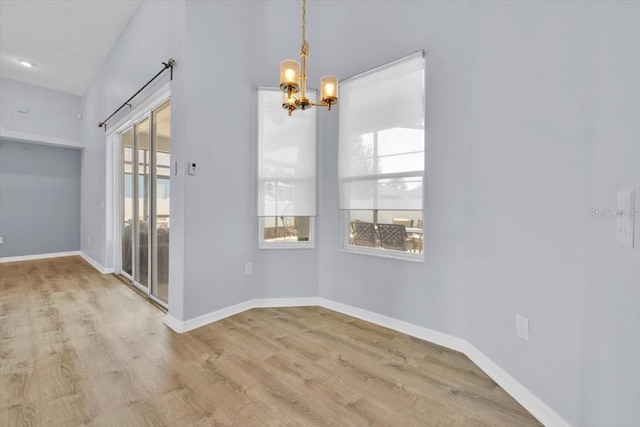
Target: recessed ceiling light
26,63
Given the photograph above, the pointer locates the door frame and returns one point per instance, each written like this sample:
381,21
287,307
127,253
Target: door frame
114,205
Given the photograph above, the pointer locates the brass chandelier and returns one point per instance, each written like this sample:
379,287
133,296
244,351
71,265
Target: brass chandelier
294,83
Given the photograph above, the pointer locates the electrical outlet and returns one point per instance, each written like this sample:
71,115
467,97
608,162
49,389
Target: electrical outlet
522,327
248,269
1,238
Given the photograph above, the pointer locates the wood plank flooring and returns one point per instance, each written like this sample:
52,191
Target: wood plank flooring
79,348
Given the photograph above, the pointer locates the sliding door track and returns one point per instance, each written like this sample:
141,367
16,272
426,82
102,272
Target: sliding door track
127,282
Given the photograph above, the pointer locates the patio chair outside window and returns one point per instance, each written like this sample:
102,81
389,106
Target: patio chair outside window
394,236
364,234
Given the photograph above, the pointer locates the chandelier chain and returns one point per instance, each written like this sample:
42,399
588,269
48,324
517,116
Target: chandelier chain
304,22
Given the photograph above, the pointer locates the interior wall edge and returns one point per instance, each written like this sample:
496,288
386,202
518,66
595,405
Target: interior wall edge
95,264
56,141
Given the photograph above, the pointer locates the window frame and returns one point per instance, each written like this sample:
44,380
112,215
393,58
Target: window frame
345,220
292,244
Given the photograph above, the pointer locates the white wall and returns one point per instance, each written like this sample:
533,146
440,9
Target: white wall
434,293
515,92
219,226
286,273
525,194
39,199
39,189
154,35
210,240
220,207
51,113
520,107
611,297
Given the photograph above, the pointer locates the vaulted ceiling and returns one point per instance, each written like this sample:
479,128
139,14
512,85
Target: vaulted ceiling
67,40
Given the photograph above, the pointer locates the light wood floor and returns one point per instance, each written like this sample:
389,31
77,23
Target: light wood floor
80,348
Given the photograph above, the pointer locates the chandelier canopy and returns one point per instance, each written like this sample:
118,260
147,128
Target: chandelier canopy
293,80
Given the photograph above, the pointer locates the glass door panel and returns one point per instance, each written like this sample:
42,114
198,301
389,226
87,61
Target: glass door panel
162,191
146,173
127,202
142,173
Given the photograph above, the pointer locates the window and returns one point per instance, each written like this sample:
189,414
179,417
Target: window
286,173
381,159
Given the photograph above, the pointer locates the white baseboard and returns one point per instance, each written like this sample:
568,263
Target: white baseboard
421,332
205,319
285,302
173,323
197,322
214,316
95,264
520,393
38,256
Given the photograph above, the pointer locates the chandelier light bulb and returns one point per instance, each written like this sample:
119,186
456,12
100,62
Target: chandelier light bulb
290,75
328,89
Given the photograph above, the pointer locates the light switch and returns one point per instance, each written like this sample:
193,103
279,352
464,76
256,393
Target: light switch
522,327
625,214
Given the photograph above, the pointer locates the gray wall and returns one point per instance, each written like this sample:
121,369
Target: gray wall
532,120
220,202
51,113
213,215
611,293
154,35
39,199
532,114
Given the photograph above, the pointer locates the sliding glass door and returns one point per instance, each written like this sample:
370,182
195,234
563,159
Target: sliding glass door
161,195
142,212
146,160
127,206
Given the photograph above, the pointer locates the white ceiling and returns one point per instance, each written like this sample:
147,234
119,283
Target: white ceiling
67,40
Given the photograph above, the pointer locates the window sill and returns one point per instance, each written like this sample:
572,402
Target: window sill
385,253
289,245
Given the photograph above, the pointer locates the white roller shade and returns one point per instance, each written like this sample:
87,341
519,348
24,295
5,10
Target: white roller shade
286,157
381,138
